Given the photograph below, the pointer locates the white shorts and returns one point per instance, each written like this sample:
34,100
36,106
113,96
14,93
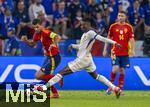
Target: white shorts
82,63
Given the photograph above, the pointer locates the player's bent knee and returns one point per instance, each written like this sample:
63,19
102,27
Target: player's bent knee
115,69
122,70
39,75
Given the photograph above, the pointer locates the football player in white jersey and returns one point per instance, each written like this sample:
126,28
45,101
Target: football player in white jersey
84,59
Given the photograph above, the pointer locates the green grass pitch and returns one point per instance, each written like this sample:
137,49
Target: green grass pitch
100,99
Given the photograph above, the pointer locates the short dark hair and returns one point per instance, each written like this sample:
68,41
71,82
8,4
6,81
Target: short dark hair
36,21
92,21
87,20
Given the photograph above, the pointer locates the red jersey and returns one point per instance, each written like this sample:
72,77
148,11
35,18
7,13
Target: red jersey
121,34
47,38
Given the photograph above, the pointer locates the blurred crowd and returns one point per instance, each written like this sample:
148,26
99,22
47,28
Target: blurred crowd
64,17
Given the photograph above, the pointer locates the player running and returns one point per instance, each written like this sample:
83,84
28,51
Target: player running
84,59
122,33
49,41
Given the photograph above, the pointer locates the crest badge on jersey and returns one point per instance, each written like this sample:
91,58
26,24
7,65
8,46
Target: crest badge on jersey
121,32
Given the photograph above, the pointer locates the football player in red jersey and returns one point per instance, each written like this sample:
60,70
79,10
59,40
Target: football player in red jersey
49,41
123,33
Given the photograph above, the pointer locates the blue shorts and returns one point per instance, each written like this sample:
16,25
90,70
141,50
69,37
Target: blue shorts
121,61
50,64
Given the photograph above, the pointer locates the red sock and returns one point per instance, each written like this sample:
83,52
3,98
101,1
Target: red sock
48,77
54,90
121,81
112,77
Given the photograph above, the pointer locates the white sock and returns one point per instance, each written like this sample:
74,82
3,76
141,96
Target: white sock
105,81
54,80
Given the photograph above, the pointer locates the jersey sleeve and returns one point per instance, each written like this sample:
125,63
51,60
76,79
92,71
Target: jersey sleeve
106,40
92,34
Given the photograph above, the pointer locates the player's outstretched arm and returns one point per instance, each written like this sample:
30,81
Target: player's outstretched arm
29,42
73,46
106,40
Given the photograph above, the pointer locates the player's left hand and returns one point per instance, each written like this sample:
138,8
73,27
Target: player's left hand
118,45
51,46
132,54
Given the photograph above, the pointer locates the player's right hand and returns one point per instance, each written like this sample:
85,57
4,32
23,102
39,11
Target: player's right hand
105,53
70,48
24,38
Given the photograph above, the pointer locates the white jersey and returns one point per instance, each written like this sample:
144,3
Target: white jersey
84,58
86,44
87,41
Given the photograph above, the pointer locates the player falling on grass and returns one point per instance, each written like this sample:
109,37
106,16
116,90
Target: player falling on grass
84,59
49,41
122,33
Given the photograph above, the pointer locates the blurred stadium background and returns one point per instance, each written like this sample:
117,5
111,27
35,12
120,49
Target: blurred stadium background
64,17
